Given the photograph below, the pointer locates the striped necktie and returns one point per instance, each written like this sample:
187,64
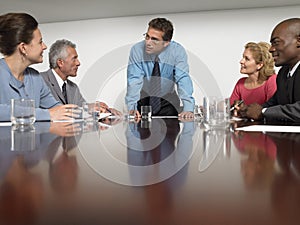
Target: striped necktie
155,87
64,92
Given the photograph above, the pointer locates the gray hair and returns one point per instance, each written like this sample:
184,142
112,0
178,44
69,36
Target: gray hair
58,50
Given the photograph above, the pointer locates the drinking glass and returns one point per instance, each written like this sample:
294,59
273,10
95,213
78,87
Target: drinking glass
22,112
198,115
146,112
216,112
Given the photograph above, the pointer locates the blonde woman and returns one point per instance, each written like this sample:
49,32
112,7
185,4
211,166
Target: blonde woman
260,84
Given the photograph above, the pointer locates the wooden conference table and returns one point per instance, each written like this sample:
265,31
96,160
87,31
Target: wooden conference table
159,172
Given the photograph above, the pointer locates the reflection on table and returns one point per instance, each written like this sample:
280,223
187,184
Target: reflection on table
164,171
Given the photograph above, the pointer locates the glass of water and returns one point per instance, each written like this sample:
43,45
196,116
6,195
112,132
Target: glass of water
146,112
216,112
22,112
198,115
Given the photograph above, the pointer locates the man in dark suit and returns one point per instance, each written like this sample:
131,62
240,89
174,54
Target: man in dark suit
64,63
285,103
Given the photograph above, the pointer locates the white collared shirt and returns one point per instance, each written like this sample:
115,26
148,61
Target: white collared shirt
58,79
292,71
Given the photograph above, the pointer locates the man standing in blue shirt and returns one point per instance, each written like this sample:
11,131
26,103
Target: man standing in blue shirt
146,87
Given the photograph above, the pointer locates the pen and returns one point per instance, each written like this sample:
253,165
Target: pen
233,107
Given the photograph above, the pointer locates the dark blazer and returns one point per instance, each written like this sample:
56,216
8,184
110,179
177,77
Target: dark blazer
73,92
285,106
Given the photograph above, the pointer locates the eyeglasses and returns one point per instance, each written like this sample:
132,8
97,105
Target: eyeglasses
153,39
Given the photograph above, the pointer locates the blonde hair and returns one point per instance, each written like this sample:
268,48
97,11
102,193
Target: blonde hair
261,54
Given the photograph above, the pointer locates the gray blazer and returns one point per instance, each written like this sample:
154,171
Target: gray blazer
73,92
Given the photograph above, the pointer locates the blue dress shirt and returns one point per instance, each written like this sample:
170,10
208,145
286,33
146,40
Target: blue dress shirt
174,70
33,87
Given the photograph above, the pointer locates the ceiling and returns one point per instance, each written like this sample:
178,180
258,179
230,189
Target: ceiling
47,11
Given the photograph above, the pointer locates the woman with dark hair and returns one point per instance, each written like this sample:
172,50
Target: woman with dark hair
21,45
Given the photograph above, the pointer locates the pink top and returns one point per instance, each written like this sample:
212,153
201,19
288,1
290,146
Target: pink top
257,95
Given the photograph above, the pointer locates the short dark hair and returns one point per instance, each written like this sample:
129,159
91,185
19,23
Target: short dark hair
293,25
164,25
14,29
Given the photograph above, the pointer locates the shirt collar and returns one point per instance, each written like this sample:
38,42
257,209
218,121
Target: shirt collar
58,79
292,71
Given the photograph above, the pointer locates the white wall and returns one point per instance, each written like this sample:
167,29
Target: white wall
214,40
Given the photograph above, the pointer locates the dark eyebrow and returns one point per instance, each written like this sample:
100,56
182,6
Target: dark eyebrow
273,39
152,38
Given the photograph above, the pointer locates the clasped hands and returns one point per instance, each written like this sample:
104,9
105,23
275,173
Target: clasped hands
252,111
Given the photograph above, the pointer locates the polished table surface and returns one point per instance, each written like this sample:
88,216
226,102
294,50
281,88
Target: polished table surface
162,171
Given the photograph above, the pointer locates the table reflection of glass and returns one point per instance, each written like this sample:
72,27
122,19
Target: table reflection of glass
214,142
23,139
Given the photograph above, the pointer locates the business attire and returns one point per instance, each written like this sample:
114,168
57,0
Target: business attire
73,93
258,95
285,103
174,69
32,87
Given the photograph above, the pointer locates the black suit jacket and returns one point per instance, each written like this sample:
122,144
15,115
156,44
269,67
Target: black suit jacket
73,92
284,106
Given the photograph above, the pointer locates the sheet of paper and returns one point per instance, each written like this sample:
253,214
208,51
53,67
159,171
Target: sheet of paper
270,128
5,124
